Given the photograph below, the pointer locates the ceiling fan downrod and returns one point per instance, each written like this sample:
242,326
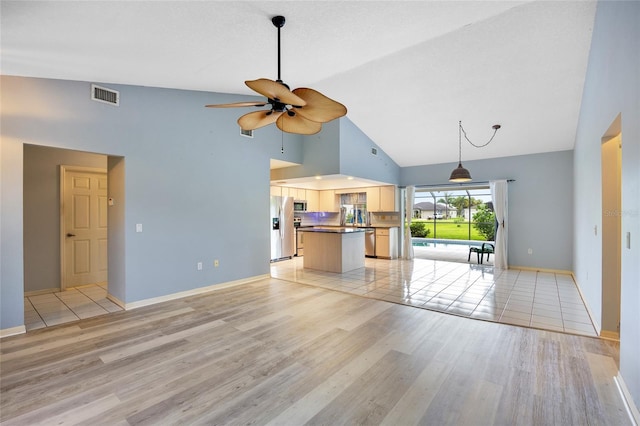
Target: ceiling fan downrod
278,22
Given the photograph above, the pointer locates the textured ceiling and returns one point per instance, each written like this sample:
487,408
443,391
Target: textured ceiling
407,71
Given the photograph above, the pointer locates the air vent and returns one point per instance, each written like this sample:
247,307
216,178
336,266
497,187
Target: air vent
102,94
374,151
246,133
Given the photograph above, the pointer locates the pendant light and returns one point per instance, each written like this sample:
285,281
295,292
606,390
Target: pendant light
460,174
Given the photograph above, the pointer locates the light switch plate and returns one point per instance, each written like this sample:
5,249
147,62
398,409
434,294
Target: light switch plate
138,227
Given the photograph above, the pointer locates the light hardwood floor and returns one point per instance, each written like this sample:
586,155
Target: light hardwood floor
279,352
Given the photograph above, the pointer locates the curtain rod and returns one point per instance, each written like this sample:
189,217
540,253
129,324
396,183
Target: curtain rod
455,185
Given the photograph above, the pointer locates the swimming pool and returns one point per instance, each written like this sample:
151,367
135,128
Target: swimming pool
445,244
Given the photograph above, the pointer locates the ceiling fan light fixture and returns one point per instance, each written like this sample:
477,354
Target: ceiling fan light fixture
312,108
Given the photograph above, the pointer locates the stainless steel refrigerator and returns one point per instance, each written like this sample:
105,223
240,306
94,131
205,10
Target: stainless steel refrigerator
283,243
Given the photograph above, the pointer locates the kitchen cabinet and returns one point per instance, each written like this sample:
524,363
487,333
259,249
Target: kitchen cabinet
276,191
313,200
328,201
387,243
381,199
333,249
388,199
373,199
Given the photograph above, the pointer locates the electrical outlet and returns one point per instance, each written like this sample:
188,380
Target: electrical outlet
216,263
199,266
138,227
530,251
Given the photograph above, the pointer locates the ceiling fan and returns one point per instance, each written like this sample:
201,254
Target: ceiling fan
301,111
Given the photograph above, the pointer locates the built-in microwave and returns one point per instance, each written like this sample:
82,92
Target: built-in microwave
299,206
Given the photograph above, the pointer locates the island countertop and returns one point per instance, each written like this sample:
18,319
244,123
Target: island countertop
333,230
333,249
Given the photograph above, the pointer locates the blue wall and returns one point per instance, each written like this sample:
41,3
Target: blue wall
342,148
198,187
356,158
540,203
612,89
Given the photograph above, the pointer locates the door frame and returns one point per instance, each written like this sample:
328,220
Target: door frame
63,172
613,134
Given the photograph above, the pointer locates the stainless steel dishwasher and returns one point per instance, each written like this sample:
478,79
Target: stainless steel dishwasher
370,242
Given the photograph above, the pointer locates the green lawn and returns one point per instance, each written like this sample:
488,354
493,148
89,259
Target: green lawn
447,229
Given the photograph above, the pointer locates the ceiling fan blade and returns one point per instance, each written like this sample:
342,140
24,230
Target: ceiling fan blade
298,124
319,107
237,104
274,90
255,120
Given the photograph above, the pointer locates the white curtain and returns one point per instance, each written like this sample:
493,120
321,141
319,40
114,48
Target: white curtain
408,247
499,192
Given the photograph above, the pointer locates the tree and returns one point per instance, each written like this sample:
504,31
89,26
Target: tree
460,203
484,221
445,200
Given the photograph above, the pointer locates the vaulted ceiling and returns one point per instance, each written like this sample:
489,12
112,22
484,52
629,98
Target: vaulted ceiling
407,71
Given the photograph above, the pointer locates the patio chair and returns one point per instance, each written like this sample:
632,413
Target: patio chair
487,248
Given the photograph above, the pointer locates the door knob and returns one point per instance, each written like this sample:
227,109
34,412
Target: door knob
71,235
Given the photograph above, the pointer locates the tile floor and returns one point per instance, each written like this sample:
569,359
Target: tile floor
541,300
45,310
527,298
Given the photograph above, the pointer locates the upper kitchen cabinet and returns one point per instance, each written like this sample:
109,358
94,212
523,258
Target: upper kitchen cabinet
295,193
313,200
382,199
328,201
276,191
373,199
388,199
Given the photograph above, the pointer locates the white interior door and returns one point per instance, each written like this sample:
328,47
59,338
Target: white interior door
84,226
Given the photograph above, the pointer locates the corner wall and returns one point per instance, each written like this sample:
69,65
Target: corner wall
11,271
612,89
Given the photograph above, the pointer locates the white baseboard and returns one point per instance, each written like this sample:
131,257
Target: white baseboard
595,323
627,399
21,329
553,271
610,335
39,292
116,301
195,291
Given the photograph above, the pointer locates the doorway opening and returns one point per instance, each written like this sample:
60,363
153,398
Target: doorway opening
88,282
611,156
446,222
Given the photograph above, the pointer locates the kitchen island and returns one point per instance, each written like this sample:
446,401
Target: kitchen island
333,249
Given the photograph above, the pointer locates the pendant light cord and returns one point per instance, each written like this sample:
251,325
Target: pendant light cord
460,142
495,130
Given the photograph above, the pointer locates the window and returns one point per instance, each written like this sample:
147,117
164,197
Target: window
454,213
